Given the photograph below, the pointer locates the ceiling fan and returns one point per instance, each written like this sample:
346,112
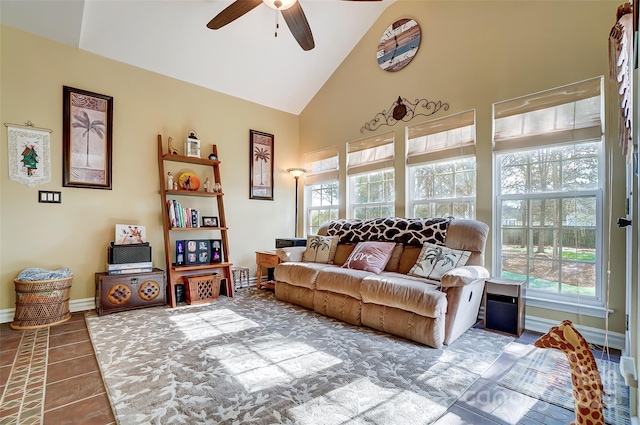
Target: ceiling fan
290,9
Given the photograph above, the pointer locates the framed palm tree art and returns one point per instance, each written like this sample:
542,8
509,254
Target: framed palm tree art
86,139
261,165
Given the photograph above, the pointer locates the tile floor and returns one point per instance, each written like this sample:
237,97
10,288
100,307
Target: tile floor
74,393
72,385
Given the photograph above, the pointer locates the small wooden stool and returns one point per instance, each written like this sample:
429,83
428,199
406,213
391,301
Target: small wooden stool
239,274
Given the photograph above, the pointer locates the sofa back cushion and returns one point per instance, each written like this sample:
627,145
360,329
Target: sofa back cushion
394,260
408,258
343,251
468,235
370,256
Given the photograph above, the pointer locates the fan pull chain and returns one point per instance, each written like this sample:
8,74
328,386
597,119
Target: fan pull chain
277,22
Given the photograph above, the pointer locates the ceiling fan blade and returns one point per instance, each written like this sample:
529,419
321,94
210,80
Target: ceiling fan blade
297,22
232,12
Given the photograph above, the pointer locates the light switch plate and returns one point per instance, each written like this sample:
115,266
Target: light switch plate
49,197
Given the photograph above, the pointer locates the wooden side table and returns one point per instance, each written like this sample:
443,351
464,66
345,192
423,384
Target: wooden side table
504,306
267,259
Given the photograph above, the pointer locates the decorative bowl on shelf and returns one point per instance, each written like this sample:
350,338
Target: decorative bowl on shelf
189,181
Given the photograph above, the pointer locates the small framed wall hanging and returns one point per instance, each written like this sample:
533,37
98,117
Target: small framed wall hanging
87,131
261,165
29,155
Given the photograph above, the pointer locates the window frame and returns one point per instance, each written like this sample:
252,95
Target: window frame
351,205
412,202
587,305
309,209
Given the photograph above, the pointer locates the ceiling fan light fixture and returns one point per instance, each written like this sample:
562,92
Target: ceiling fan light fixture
279,4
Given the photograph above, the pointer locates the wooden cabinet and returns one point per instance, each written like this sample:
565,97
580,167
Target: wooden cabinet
203,167
129,291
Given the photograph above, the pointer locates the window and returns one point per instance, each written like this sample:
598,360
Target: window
549,185
371,177
321,188
442,167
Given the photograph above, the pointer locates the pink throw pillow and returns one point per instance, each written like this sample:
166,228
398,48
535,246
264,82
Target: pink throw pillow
370,256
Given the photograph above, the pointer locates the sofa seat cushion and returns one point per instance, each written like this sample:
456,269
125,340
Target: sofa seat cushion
341,281
416,296
299,274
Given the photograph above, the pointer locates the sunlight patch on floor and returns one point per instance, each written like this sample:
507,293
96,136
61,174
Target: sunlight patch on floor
364,402
211,323
260,364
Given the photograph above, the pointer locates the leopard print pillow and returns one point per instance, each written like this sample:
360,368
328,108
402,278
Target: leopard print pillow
407,231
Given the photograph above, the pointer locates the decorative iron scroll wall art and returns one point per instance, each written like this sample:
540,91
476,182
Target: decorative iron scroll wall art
403,110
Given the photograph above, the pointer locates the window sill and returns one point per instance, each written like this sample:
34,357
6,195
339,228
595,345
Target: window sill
568,307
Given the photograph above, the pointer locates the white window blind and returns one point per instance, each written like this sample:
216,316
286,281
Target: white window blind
566,114
321,166
370,154
447,137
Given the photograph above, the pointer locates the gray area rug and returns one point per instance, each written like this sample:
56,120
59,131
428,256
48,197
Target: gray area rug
255,360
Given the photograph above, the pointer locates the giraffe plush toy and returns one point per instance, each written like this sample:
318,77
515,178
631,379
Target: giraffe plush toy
585,378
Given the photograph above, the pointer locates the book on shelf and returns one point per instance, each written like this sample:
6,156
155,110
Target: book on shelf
130,266
129,271
182,217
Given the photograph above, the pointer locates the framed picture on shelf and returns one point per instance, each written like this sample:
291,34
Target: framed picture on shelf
261,165
179,253
209,221
196,251
87,129
216,250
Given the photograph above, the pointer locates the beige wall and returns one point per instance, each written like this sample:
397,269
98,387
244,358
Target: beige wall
76,233
473,54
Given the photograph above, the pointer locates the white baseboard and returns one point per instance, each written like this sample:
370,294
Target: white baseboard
84,304
592,335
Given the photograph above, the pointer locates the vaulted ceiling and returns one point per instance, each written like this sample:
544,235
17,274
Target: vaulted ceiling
243,59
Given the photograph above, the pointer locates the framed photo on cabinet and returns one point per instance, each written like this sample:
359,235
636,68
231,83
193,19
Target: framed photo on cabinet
87,131
261,165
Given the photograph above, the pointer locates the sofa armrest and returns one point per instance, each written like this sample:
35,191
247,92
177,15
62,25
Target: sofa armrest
290,253
465,275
